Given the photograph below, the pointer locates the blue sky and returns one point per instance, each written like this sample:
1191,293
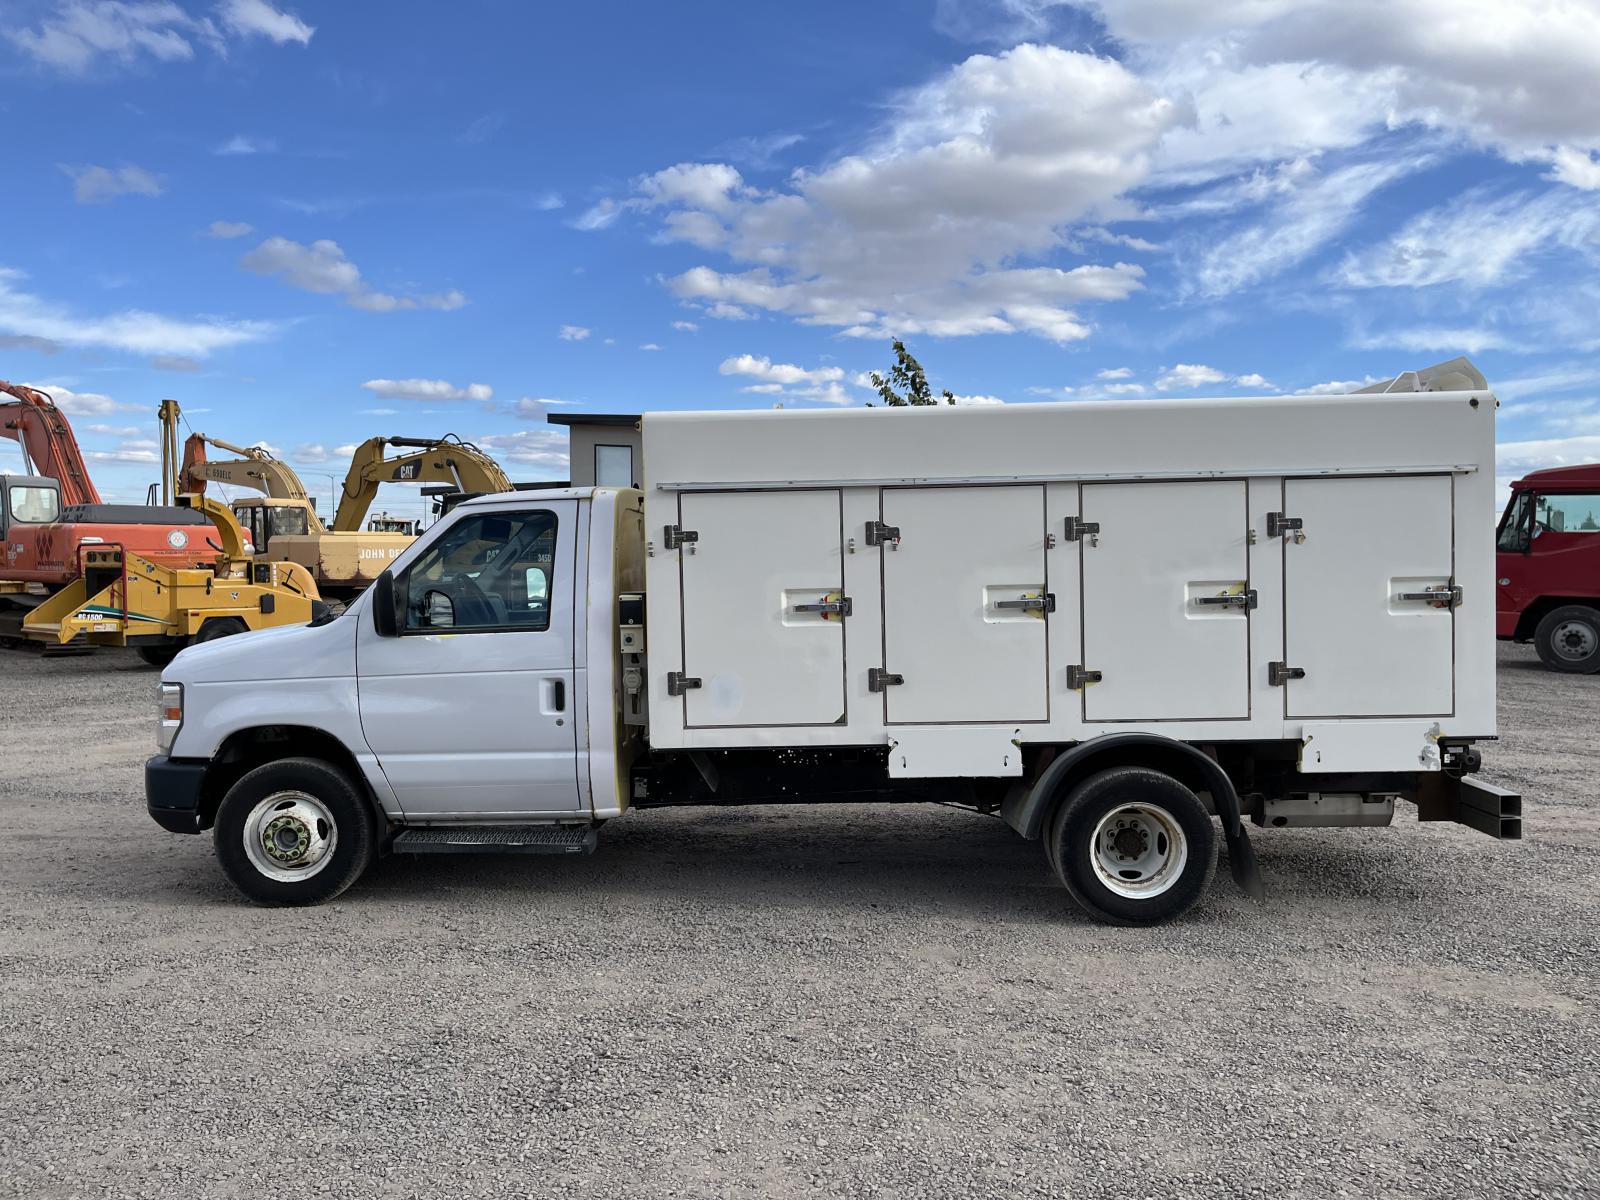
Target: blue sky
317,223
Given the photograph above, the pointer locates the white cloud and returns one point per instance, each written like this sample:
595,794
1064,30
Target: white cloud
649,346
1576,167
1431,339
229,229
978,400
83,403
548,201
528,447
783,374
311,452
23,341
132,330
174,362
1115,373
96,185
240,144
1477,240
573,333
537,408
120,431
322,267
686,326
77,35
1252,380
427,390
1337,387
1187,376
929,228
1518,458
260,19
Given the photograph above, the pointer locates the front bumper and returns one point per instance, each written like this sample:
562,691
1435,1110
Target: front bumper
172,789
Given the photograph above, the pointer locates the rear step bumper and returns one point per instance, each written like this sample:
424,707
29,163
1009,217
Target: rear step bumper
497,839
1481,806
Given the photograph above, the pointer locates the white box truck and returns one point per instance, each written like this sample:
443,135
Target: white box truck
1123,628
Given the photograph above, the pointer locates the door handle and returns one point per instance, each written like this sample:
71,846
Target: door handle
1448,595
555,695
1247,600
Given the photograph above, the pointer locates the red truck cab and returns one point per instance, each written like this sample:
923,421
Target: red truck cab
1548,567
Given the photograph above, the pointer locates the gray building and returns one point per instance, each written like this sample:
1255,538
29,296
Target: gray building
605,449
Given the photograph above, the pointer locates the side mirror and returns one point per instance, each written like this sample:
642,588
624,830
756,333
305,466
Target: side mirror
385,618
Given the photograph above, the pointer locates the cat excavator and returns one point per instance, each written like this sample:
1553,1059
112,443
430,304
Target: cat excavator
283,523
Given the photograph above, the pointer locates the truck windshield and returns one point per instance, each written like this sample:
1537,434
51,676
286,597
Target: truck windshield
289,520
1514,525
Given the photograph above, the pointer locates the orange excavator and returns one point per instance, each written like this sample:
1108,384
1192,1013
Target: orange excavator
49,516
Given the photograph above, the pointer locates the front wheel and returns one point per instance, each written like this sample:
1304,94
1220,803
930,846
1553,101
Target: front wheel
294,832
220,627
157,656
1568,639
1133,846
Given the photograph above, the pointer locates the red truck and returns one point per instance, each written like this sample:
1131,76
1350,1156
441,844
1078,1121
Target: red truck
1548,567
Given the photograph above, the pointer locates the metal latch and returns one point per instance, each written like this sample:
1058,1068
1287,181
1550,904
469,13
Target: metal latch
678,683
675,536
1078,528
879,534
1279,673
878,679
1246,600
1448,595
840,607
1078,678
1044,603
1278,524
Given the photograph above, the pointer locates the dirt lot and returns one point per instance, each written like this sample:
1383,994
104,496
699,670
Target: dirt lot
889,1002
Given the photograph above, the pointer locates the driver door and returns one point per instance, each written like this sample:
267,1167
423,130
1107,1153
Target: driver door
470,708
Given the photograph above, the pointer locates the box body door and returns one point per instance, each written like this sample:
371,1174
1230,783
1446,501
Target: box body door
760,558
1163,552
964,605
1367,652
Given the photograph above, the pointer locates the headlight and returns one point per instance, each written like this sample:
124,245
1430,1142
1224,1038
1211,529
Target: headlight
170,698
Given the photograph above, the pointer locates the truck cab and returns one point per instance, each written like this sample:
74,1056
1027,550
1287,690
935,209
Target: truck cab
1547,567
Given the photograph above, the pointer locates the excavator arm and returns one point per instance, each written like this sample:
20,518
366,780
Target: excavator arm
437,460
33,419
255,468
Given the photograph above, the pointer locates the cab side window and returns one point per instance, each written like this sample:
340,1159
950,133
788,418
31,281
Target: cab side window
490,572
1571,513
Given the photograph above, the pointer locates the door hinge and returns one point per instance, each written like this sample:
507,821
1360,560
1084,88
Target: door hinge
675,536
1078,678
1078,529
841,607
878,679
1246,600
1044,603
1279,673
678,683
1278,524
1446,595
879,534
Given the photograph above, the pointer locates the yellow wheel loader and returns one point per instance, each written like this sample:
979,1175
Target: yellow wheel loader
124,599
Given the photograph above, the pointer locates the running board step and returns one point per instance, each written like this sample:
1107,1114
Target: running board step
497,839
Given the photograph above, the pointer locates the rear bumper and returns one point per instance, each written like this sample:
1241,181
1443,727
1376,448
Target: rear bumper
1481,806
172,790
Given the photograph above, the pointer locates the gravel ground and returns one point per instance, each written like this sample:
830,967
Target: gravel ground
887,1002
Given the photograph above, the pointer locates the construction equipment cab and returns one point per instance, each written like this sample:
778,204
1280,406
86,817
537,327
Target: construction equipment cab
1548,567
1126,629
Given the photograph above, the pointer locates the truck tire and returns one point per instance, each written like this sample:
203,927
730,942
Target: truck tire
220,627
294,832
1132,846
1568,639
157,656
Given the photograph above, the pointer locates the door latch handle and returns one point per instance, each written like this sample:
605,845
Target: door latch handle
1246,600
558,695
840,607
1044,603
1448,595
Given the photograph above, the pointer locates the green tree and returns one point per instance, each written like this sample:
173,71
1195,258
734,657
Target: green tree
906,374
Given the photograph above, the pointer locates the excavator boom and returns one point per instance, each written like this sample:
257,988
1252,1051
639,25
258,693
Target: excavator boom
33,419
434,460
256,469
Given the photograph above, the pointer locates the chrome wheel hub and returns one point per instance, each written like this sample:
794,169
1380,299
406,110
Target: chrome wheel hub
289,836
1138,850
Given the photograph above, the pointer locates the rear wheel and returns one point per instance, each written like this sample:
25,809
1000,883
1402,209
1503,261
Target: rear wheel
220,627
1568,639
1133,846
157,656
294,832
